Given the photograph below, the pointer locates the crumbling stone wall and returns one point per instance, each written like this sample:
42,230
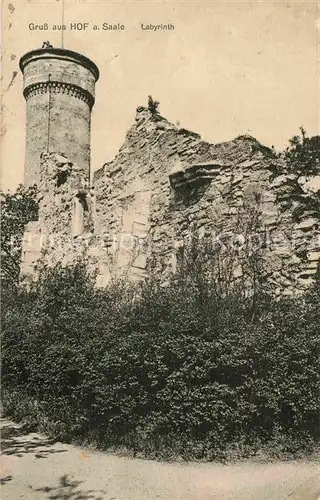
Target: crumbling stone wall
210,190
64,231
293,255
166,185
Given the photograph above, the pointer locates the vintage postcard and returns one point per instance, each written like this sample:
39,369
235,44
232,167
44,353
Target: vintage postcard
160,246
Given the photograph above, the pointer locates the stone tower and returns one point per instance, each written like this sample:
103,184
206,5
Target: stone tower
59,88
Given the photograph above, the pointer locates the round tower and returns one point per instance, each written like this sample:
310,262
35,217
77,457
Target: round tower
59,88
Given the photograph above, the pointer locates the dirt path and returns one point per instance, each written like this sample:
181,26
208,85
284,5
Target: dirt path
34,468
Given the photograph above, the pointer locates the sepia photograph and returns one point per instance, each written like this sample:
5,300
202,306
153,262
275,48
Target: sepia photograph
160,250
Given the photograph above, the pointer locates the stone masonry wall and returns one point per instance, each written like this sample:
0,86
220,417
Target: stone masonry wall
65,227
166,184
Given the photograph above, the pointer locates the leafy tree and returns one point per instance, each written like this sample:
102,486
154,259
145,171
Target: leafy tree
17,209
303,154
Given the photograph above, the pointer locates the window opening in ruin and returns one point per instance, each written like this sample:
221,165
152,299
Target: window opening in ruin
83,200
62,178
180,255
84,204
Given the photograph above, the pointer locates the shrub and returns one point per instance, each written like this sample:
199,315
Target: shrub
182,370
153,105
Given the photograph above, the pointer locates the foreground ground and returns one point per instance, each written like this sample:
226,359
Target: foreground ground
34,468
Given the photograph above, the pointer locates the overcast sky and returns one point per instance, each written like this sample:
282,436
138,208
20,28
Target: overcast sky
228,68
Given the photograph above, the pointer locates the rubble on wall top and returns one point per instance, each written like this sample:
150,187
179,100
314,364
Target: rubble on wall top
150,127
144,114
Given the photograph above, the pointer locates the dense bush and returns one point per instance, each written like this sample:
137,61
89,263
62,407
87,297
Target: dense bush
181,370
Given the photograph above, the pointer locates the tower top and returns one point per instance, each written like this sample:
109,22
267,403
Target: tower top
57,53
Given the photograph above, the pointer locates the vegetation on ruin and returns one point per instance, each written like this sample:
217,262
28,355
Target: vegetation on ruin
17,209
188,370
302,156
153,105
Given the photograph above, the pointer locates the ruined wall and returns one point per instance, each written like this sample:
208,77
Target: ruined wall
65,227
186,186
166,185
